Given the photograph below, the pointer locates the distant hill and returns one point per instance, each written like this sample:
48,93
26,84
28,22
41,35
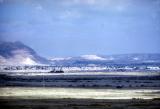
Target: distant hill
103,60
16,53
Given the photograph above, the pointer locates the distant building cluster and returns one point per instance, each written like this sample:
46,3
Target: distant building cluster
78,68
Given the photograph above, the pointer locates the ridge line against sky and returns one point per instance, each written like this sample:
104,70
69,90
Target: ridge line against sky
77,27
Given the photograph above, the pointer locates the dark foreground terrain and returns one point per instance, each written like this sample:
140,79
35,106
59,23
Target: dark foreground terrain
105,80
79,104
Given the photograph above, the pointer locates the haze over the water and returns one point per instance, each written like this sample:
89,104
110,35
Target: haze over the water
76,27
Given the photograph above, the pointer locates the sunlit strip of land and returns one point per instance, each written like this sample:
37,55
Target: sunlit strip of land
78,93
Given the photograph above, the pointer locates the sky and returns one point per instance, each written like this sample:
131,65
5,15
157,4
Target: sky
77,27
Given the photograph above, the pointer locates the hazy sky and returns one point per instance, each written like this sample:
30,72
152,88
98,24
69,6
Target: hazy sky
77,27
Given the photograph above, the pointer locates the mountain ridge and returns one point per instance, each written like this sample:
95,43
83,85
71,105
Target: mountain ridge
110,59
